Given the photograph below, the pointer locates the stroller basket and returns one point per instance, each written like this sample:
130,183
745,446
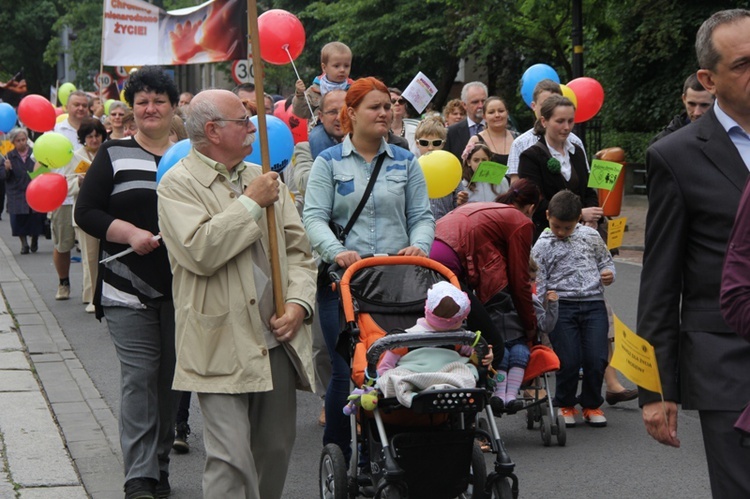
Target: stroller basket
436,463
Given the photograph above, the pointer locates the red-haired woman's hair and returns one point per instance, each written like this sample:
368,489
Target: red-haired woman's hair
355,95
522,192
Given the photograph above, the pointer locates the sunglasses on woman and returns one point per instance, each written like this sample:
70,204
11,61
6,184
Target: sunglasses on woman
401,101
426,143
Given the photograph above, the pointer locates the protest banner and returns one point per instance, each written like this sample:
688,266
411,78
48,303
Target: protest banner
136,33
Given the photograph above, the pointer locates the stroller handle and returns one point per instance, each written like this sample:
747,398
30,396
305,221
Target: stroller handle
400,340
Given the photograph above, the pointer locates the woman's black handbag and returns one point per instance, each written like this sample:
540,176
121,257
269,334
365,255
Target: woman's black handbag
324,280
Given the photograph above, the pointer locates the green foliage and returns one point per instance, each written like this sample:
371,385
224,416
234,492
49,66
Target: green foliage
633,143
25,28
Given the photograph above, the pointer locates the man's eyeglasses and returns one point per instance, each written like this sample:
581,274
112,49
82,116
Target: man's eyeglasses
245,121
426,143
401,101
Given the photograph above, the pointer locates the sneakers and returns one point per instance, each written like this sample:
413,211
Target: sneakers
140,488
594,417
90,308
162,488
181,432
569,415
63,292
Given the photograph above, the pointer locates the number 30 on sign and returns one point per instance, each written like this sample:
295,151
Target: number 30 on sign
242,71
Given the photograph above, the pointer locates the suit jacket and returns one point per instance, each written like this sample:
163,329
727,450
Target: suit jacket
533,165
458,137
696,178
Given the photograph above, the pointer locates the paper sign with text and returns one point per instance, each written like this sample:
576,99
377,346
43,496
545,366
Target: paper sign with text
604,174
82,166
420,92
6,146
615,232
490,172
39,171
634,357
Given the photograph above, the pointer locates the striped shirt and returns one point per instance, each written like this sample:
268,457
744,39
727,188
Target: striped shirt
121,184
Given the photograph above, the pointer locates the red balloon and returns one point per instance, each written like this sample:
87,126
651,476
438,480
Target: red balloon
59,111
590,96
37,113
47,192
297,125
277,30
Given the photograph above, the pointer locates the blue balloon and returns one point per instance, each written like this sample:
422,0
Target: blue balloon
171,157
534,75
280,144
8,117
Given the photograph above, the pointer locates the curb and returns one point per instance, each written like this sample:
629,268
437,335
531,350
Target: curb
74,443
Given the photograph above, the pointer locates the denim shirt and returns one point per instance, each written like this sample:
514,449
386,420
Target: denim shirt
397,214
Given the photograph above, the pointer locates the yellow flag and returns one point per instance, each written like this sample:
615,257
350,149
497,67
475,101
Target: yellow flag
634,357
616,232
6,146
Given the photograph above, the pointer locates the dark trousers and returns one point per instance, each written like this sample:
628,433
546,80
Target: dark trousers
728,461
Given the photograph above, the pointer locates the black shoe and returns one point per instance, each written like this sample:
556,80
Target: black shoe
497,404
140,488
181,432
162,488
25,249
34,244
623,396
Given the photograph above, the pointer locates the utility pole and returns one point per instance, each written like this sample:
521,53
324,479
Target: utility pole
577,38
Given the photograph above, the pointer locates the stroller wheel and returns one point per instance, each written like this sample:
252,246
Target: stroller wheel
561,435
546,429
333,477
502,489
478,477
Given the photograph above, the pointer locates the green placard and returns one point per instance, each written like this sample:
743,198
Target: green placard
490,172
604,174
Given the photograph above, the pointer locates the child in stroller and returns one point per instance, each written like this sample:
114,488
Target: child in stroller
427,450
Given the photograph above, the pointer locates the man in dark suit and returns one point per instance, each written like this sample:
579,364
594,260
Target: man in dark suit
696,178
473,95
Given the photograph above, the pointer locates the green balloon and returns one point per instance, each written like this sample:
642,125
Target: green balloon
53,150
107,103
64,92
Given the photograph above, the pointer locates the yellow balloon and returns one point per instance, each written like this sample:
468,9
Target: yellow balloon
53,150
122,95
568,92
442,173
61,118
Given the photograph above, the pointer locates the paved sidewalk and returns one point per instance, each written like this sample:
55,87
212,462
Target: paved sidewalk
58,438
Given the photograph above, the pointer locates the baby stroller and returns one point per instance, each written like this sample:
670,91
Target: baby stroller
535,399
428,450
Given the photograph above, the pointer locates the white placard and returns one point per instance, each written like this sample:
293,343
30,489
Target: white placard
420,92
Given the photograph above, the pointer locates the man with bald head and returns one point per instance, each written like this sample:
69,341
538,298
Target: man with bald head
243,358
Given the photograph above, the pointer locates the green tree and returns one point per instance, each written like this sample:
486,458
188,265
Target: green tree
25,29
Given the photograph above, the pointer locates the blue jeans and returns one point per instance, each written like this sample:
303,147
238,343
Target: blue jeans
580,340
516,354
338,426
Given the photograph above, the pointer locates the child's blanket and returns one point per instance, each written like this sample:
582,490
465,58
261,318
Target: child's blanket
427,369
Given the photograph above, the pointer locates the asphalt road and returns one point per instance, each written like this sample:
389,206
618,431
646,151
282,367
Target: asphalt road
618,461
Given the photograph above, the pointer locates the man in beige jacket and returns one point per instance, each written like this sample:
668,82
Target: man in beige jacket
242,360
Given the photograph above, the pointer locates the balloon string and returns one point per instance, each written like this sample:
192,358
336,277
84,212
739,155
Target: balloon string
312,115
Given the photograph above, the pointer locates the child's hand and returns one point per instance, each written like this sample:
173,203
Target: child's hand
607,277
487,360
552,295
299,88
462,197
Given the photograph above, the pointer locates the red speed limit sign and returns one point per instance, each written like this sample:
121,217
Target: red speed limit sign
103,80
242,71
